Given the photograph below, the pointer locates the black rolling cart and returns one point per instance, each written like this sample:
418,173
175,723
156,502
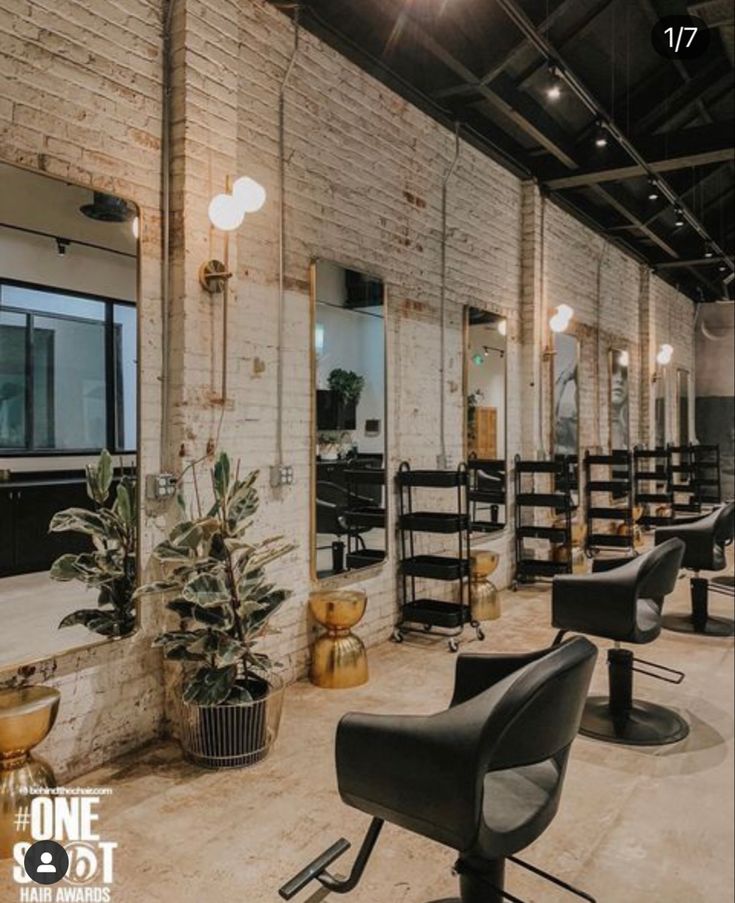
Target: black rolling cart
707,481
610,477
683,488
652,484
365,511
422,614
557,500
487,493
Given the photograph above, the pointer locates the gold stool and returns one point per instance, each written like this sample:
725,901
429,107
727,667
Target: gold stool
484,601
579,535
26,717
339,659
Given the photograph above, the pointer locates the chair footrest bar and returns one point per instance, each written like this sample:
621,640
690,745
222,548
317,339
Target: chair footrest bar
680,675
314,869
552,878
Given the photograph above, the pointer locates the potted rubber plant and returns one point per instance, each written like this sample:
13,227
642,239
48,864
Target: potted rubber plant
215,581
111,565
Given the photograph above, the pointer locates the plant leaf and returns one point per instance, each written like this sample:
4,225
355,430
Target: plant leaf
221,476
210,686
123,505
206,589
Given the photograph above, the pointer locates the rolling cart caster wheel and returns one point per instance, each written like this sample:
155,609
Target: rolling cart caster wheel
514,586
480,634
397,636
453,646
427,628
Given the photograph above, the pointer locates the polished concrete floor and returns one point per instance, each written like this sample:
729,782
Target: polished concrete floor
635,825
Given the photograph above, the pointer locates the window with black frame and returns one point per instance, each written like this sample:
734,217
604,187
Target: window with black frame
67,372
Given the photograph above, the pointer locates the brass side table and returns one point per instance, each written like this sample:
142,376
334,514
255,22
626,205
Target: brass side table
339,659
484,601
26,718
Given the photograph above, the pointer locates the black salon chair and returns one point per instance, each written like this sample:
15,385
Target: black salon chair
705,539
621,600
483,778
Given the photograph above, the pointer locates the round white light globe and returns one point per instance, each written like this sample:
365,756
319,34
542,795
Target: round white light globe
558,323
249,194
225,212
565,311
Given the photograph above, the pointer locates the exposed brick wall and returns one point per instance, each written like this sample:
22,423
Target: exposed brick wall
363,187
80,99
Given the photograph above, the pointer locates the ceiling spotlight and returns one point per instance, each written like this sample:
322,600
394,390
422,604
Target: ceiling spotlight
653,193
708,250
678,217
553,89
722,268
601,135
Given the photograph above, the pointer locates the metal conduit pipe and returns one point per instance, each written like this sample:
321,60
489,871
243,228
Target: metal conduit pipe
167,90
442,302
282,238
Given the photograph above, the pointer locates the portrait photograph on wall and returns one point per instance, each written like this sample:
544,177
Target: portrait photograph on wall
566,395
619,400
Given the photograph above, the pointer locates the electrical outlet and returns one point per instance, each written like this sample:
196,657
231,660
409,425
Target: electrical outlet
445,462
281,475
160,486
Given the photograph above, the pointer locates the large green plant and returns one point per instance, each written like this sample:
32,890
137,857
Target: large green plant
347,384
217,578
111,565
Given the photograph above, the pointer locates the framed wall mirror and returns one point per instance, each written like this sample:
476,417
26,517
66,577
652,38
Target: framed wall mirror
659,408
619,400
349,421
682,397
68,389
485,381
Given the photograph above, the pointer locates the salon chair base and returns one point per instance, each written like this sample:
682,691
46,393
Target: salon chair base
619,718
700,620
644,724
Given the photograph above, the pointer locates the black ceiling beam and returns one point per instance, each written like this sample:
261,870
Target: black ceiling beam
692,262
698,146
592,12
620,201
716,74
506,60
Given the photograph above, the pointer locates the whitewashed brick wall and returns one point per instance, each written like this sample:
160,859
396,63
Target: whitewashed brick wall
80,97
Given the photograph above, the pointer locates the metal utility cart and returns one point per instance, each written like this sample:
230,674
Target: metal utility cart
425,614
652,484
707,480
558,501
487,493
365,511
683,472
609,476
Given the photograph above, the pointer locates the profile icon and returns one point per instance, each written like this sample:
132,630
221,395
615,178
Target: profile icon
46,862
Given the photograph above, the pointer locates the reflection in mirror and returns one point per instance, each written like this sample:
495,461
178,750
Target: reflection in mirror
485,417
349,429
68,389
566,406
682,391
660,408
619,400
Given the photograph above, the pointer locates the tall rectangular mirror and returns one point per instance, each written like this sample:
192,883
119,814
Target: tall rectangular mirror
619,400
566,406
485,368
68,390
349,422
682,394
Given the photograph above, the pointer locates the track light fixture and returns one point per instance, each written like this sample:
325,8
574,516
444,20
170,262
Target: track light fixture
600,134
653,192
553,89
678,217
708,250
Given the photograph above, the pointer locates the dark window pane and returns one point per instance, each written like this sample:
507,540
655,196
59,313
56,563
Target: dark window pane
12,380
126,373
69,397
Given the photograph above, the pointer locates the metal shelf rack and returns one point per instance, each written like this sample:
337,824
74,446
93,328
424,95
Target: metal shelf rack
487,493
615,484
652,484
557,500
421,613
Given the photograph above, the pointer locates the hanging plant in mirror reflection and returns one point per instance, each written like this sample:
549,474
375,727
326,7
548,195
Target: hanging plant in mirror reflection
111,565
347,384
